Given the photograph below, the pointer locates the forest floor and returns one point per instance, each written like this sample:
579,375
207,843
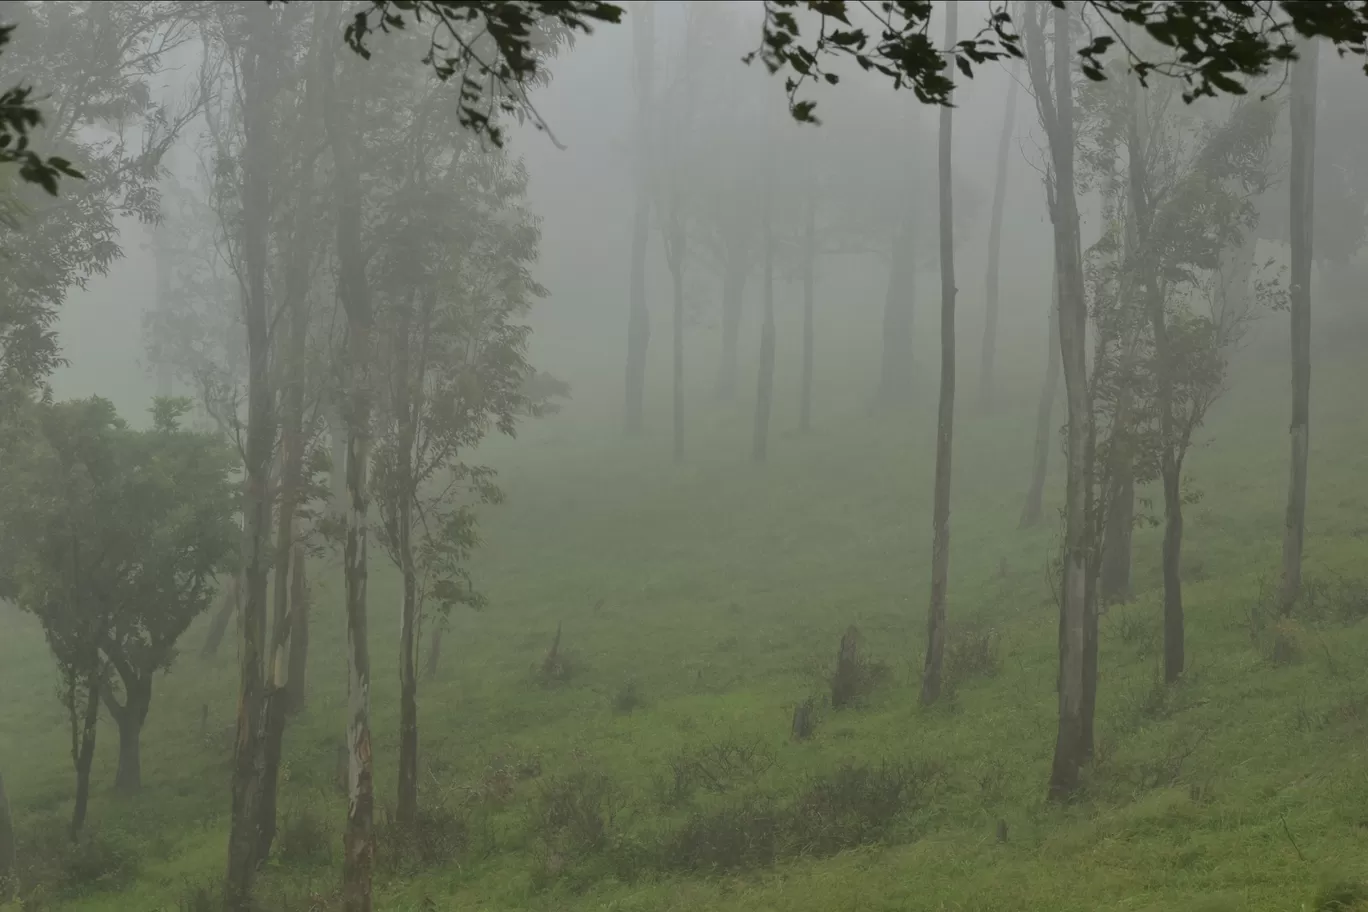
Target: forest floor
700,604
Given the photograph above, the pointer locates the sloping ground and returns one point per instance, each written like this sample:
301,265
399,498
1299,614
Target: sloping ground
700,605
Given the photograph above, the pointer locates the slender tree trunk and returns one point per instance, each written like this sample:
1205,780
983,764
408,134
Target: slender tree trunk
733,301
295,681
1045,432
809,302
677,281
223,616
408,620
1057,114
358,839
1116,547
945,420
638,317
1173,579
764,394
8,849
1303,182
990,322
84,757
895,362
434,656
244,830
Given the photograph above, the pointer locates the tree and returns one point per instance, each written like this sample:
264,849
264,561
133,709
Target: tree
91,66
764,391
1189,202
945,421
455,283
1302,204
1045,435
1052,85
638,316
987,359
117,537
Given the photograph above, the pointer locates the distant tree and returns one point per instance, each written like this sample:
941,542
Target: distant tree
1302,207
987,359
8,849
643,163
115,538
764,392
945,421
1045,433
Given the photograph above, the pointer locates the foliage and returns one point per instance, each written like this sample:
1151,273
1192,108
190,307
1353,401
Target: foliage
94,64
113,537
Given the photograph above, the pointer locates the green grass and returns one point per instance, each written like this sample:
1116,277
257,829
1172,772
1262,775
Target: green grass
719,590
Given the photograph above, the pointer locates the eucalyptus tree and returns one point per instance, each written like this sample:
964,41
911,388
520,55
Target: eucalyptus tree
988,357
945,420
454,246
643,161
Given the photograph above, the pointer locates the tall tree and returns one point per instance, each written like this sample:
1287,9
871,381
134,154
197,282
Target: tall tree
809,269
945,419
764,391
638,316
1045,432
354,293
1052,85
252,39
1302,184
990,321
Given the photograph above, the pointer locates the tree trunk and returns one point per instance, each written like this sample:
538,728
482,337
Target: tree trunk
1303,181
130,718
1116,546
84,755
990,321
434,656
733,301
1045,432
244,835
354,292
677,281
406,389
1057,114
809,331
895,362
8,850
638,317
1173,579
277,704
295,681
218,627
945,420
764,393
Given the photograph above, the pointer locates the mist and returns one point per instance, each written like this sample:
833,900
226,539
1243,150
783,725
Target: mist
680,455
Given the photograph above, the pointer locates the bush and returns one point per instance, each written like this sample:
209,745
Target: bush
50,864
1340,896
738,836
304,839
717,768
627,699
971,653
439,836
855,676
856,804
573,816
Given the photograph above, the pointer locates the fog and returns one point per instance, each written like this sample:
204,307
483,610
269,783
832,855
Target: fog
466,459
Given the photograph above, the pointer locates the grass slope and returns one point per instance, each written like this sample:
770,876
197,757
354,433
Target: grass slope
712,596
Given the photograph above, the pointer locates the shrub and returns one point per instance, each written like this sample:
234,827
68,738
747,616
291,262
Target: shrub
739,835
439,836
856,804
971,653
718,768
627,699
855,676
573,816
1340,896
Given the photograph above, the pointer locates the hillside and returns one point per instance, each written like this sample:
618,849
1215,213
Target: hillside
699,605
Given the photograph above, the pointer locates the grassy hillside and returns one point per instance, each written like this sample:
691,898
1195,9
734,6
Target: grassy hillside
700,604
